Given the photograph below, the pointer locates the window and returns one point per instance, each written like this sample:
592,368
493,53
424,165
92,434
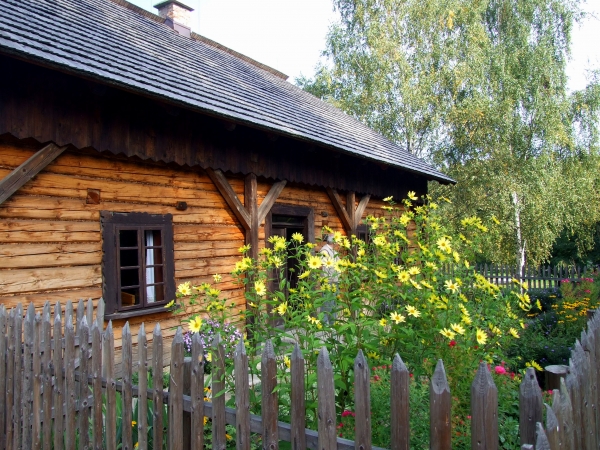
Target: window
137,262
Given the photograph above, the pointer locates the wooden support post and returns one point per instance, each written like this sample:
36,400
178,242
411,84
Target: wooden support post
29,169
270,200
218,178
349,215
250,192
351,210
530,407
339,208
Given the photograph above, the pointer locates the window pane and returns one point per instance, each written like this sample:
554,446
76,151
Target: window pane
153,256
130,297
128,238
129,257
155,293
130,277
153,238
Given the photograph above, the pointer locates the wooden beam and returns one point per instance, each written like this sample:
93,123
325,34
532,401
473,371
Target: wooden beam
230,197
339,208
250,201
29,169
360,209
350,200
270,200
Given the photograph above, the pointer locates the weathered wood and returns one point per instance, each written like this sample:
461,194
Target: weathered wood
89,312
157,396
399,405
530,407
46,375
127,397
83,331
36,420
484,410
10,379
339,209
326,404
59,386
362,402
70,394
230,197
360,209
142,422
3,370
270,200
351,210
553,374
595,332
97,431
588,381
440,409
552,429
29,169
176,393
18,370
574,388
541,441
197,394
242,397
186,436
108,365
564,414
28,375
250,201
100,307
298,412
218,392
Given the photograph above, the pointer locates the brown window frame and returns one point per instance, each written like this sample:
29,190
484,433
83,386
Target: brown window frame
112,223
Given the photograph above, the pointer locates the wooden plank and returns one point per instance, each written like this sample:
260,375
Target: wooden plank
70,394
186,436
97,430
484,410
38,299
360,209
530,407
552,429
541,441
15,256
351,210
574,388
27,398
326,403
127,398
362,401
230,197
399,405
3,370
242,397
158,394
142,422
176,393
298,413
218,392
58,392
28,231
83,331
29,169
440,409
197,394
108,366
10,377
269,399
339,208
251,207
42,279
46,364
270,200
36,419
18,370
588,381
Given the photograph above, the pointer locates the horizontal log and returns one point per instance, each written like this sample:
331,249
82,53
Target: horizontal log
190,264
14,256
207,233
46,279
63,296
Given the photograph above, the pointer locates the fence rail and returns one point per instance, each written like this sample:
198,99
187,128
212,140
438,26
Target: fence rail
46,402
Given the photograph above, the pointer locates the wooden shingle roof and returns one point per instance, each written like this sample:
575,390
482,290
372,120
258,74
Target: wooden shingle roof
106,41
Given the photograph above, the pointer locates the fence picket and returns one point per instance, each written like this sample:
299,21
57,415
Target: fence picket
572,380
530,406
552,429
97,432
242,397
484,410
541,441
362,403
587,382
83,331
142,421
127,396
439,410
399,404
298,413
89,313
564,414
326,405
108,366
3,375
218,398
59,381
157,386
46,378
36,420
27,398
18,370
197,394
69,366
176,393
10,379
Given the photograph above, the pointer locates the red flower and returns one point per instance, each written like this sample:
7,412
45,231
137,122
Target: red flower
377,378
452,343
500,370
346,413
469,417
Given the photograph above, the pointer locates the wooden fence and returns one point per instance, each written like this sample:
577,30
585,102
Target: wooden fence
52,396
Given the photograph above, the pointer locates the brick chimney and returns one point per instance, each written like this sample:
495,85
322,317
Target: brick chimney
177,16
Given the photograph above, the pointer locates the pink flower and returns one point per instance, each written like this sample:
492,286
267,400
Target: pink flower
452,343
500,370
377,378
346,413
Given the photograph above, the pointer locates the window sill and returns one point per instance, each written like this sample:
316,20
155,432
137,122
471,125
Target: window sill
139,312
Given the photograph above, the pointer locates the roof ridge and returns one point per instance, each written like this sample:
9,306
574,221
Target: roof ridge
198,37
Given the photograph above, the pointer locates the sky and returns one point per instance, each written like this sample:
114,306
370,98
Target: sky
289,35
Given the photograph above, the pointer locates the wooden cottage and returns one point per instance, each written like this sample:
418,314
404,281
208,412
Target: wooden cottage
136,154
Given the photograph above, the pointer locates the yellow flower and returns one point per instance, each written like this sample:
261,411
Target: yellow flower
279,245
414,271
431,265
496,221
535,365
412,311
314,262
282,308
314,321
217,277
426,284
184,288
260,288
298,237
456,256
444,244
403,276
447,333
287,361
133,423
416,285
209,357
205,420
304,275
404,220
380,274
412,195
195,324
481,336
228,437
383,322
244,248
538,304
397,318
451,286
214,292
373,355
252,304
361,252
171,303
514,333
458,328
379,241
388,199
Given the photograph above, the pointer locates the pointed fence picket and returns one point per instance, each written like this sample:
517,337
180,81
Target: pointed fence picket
58,390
